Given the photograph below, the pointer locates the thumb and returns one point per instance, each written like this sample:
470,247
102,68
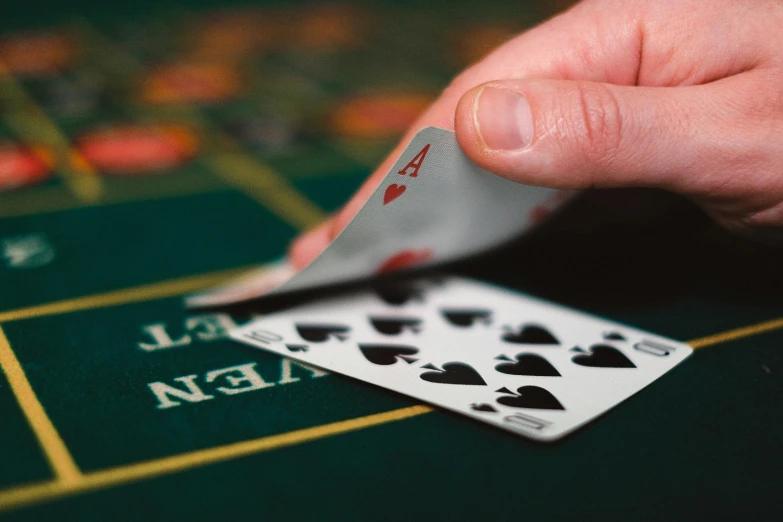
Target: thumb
576,135
554,49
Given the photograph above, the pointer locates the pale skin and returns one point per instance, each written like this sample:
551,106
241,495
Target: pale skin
682,95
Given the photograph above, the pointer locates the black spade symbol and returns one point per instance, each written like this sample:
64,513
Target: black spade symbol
528,364
531,334
395,325
531,397
296,347
603,356
386,354
399,294
483,407
614,336
466,317
454,373
318,333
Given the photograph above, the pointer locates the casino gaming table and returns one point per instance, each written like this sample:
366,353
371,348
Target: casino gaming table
148,151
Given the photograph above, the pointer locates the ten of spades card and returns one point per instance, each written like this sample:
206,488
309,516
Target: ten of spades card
519,363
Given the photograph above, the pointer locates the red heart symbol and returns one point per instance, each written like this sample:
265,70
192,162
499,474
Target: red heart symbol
405,259
393,191
540,213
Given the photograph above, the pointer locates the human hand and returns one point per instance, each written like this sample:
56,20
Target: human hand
683,95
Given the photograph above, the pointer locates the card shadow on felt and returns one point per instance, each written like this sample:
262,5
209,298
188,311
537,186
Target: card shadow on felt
609,252
621,249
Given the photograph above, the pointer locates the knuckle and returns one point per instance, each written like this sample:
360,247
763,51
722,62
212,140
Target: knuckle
763,98
763,223
595,118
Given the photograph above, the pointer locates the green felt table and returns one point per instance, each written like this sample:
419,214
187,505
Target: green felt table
115,401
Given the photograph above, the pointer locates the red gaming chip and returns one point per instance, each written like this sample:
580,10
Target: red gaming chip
22,166
378,116
328,26
231,35
36,54
191,83
138,149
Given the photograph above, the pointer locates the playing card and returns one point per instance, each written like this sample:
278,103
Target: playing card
434,205
520,363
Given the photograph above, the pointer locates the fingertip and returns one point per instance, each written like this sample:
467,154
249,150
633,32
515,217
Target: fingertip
308,246
465,124
347,213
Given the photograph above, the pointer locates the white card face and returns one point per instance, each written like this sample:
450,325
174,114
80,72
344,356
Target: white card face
433,206
525,365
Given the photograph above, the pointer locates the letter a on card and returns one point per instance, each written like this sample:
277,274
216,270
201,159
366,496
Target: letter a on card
415,163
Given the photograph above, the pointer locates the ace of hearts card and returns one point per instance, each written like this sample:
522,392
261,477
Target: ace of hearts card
434,205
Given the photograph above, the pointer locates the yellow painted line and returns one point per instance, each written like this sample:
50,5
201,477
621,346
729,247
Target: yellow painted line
25,495
737,333
52,199
267,187
136,294
33,493
82,177
52,445
33,125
